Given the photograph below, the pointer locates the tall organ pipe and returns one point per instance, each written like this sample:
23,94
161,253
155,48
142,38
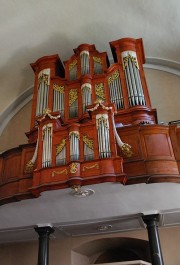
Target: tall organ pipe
47,145
43,91
85,69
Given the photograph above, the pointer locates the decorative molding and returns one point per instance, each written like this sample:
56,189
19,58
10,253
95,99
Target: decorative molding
15,106
171,67
90,167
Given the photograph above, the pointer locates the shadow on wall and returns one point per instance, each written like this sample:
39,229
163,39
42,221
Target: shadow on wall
109,250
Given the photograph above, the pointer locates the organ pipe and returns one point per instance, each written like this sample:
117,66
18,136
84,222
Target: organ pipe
132,76
73,103
73,70
116,90
58,99
88,148
85,68
97,65
61,153
74,145
86,95
102,125
47,145
43,91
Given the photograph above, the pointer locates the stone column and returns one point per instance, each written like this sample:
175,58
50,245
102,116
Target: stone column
151,222
43,252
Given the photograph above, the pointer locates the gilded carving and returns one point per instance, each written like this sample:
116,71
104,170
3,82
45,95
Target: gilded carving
72,65
97,60
73,95
60,147
73,168
64,171
90,167
127,58
126,150
103,120
113,77
29,167
47,112
99,88
58,88
88,142
99,103
44,78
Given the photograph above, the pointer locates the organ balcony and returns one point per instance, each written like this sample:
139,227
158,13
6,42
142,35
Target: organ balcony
91,123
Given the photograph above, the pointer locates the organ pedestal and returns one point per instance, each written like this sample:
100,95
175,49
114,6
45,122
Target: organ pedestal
91,122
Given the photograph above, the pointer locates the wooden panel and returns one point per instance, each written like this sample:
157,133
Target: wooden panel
12,167
162,167
157,145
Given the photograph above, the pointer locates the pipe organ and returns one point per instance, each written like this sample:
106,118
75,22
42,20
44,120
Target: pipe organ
76,114
91,122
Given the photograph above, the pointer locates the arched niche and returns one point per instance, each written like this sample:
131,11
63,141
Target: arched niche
112,250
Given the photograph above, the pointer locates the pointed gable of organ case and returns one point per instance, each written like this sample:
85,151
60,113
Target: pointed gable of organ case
91,122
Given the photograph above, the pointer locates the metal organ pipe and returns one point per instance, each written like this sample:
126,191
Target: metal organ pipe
58,99
133,81
43,91
102,125
73,70
116,90
97,65
86,95
74,145
47,145
85,69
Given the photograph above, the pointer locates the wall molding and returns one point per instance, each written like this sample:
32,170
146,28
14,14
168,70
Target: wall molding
15,106
167,66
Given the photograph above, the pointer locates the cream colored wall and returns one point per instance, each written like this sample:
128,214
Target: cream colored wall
14,133
164,89
61,250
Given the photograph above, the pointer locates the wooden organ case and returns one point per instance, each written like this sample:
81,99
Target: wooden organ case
91,123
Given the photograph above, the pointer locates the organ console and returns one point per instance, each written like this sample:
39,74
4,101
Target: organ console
92,122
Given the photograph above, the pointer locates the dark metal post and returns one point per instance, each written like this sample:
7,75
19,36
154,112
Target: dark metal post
151,222
43,252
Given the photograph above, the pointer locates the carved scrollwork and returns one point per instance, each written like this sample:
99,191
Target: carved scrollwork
64,171
47,112
73,168
73,95
75,133
126,150
29,167
58,88
44,78
88,142
113,77
60,147
127,58
73,64
97,60
90,167
99,90
103,120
